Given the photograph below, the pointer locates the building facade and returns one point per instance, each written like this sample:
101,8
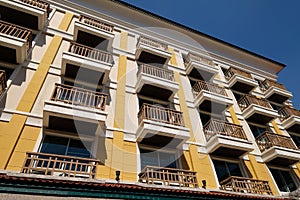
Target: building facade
103,99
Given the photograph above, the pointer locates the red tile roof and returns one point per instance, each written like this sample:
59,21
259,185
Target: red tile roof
86,183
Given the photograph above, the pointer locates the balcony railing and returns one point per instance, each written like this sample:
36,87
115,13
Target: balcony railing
52,164
92,53
232,71
248,100
246,185
196,58
160,114
156,71
39,4
17,32
98,24
211,87
286,112
268,140
266,84
78,96
216,127
152,43
2,81
168,176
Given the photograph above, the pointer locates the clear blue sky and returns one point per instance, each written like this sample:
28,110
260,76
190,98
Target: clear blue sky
270,28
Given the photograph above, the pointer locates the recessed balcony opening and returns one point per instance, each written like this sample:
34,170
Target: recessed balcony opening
290,119
72,125
257,110
92,40
199,67
83,75
226,139
3,81
8,55
210,97
232,178
156,82
93,33
160,141
150,51
85,64
275,91
15,41
278,149
240,81
284,179
62,156
162,168
19,18
160,126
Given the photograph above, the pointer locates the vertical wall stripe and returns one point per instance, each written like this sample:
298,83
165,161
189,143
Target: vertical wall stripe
66,21
123,153
276,128
37,81
120,93
262,173
173,60
183,106
196,161
234,118
14,140
123,40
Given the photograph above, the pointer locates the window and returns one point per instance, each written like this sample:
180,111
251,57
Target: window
257,130
157,159
66,146
205,117
275,107
226,169
284,180
296,139
237,96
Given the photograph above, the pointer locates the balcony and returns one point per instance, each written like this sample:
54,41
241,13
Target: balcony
58,165
199,67
2,81
75,103
290,119
246,185
239,80
210,97
257,110
161,126
15,42
156,82
152,51
86,64
274,91
32,14
93,33
168,177
278,149
226,139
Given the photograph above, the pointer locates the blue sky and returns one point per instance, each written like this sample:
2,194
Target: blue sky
270,28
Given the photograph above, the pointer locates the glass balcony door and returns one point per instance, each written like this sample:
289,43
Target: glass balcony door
157,159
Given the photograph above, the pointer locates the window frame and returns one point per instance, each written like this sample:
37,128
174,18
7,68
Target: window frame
293,175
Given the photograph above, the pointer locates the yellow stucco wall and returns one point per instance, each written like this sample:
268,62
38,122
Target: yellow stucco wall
20,138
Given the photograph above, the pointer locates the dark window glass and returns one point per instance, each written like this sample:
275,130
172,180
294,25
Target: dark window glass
54,145
226,169
256,131
237,96
65,146
283,180
79,149
157,159
204,118
275,107
296,139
